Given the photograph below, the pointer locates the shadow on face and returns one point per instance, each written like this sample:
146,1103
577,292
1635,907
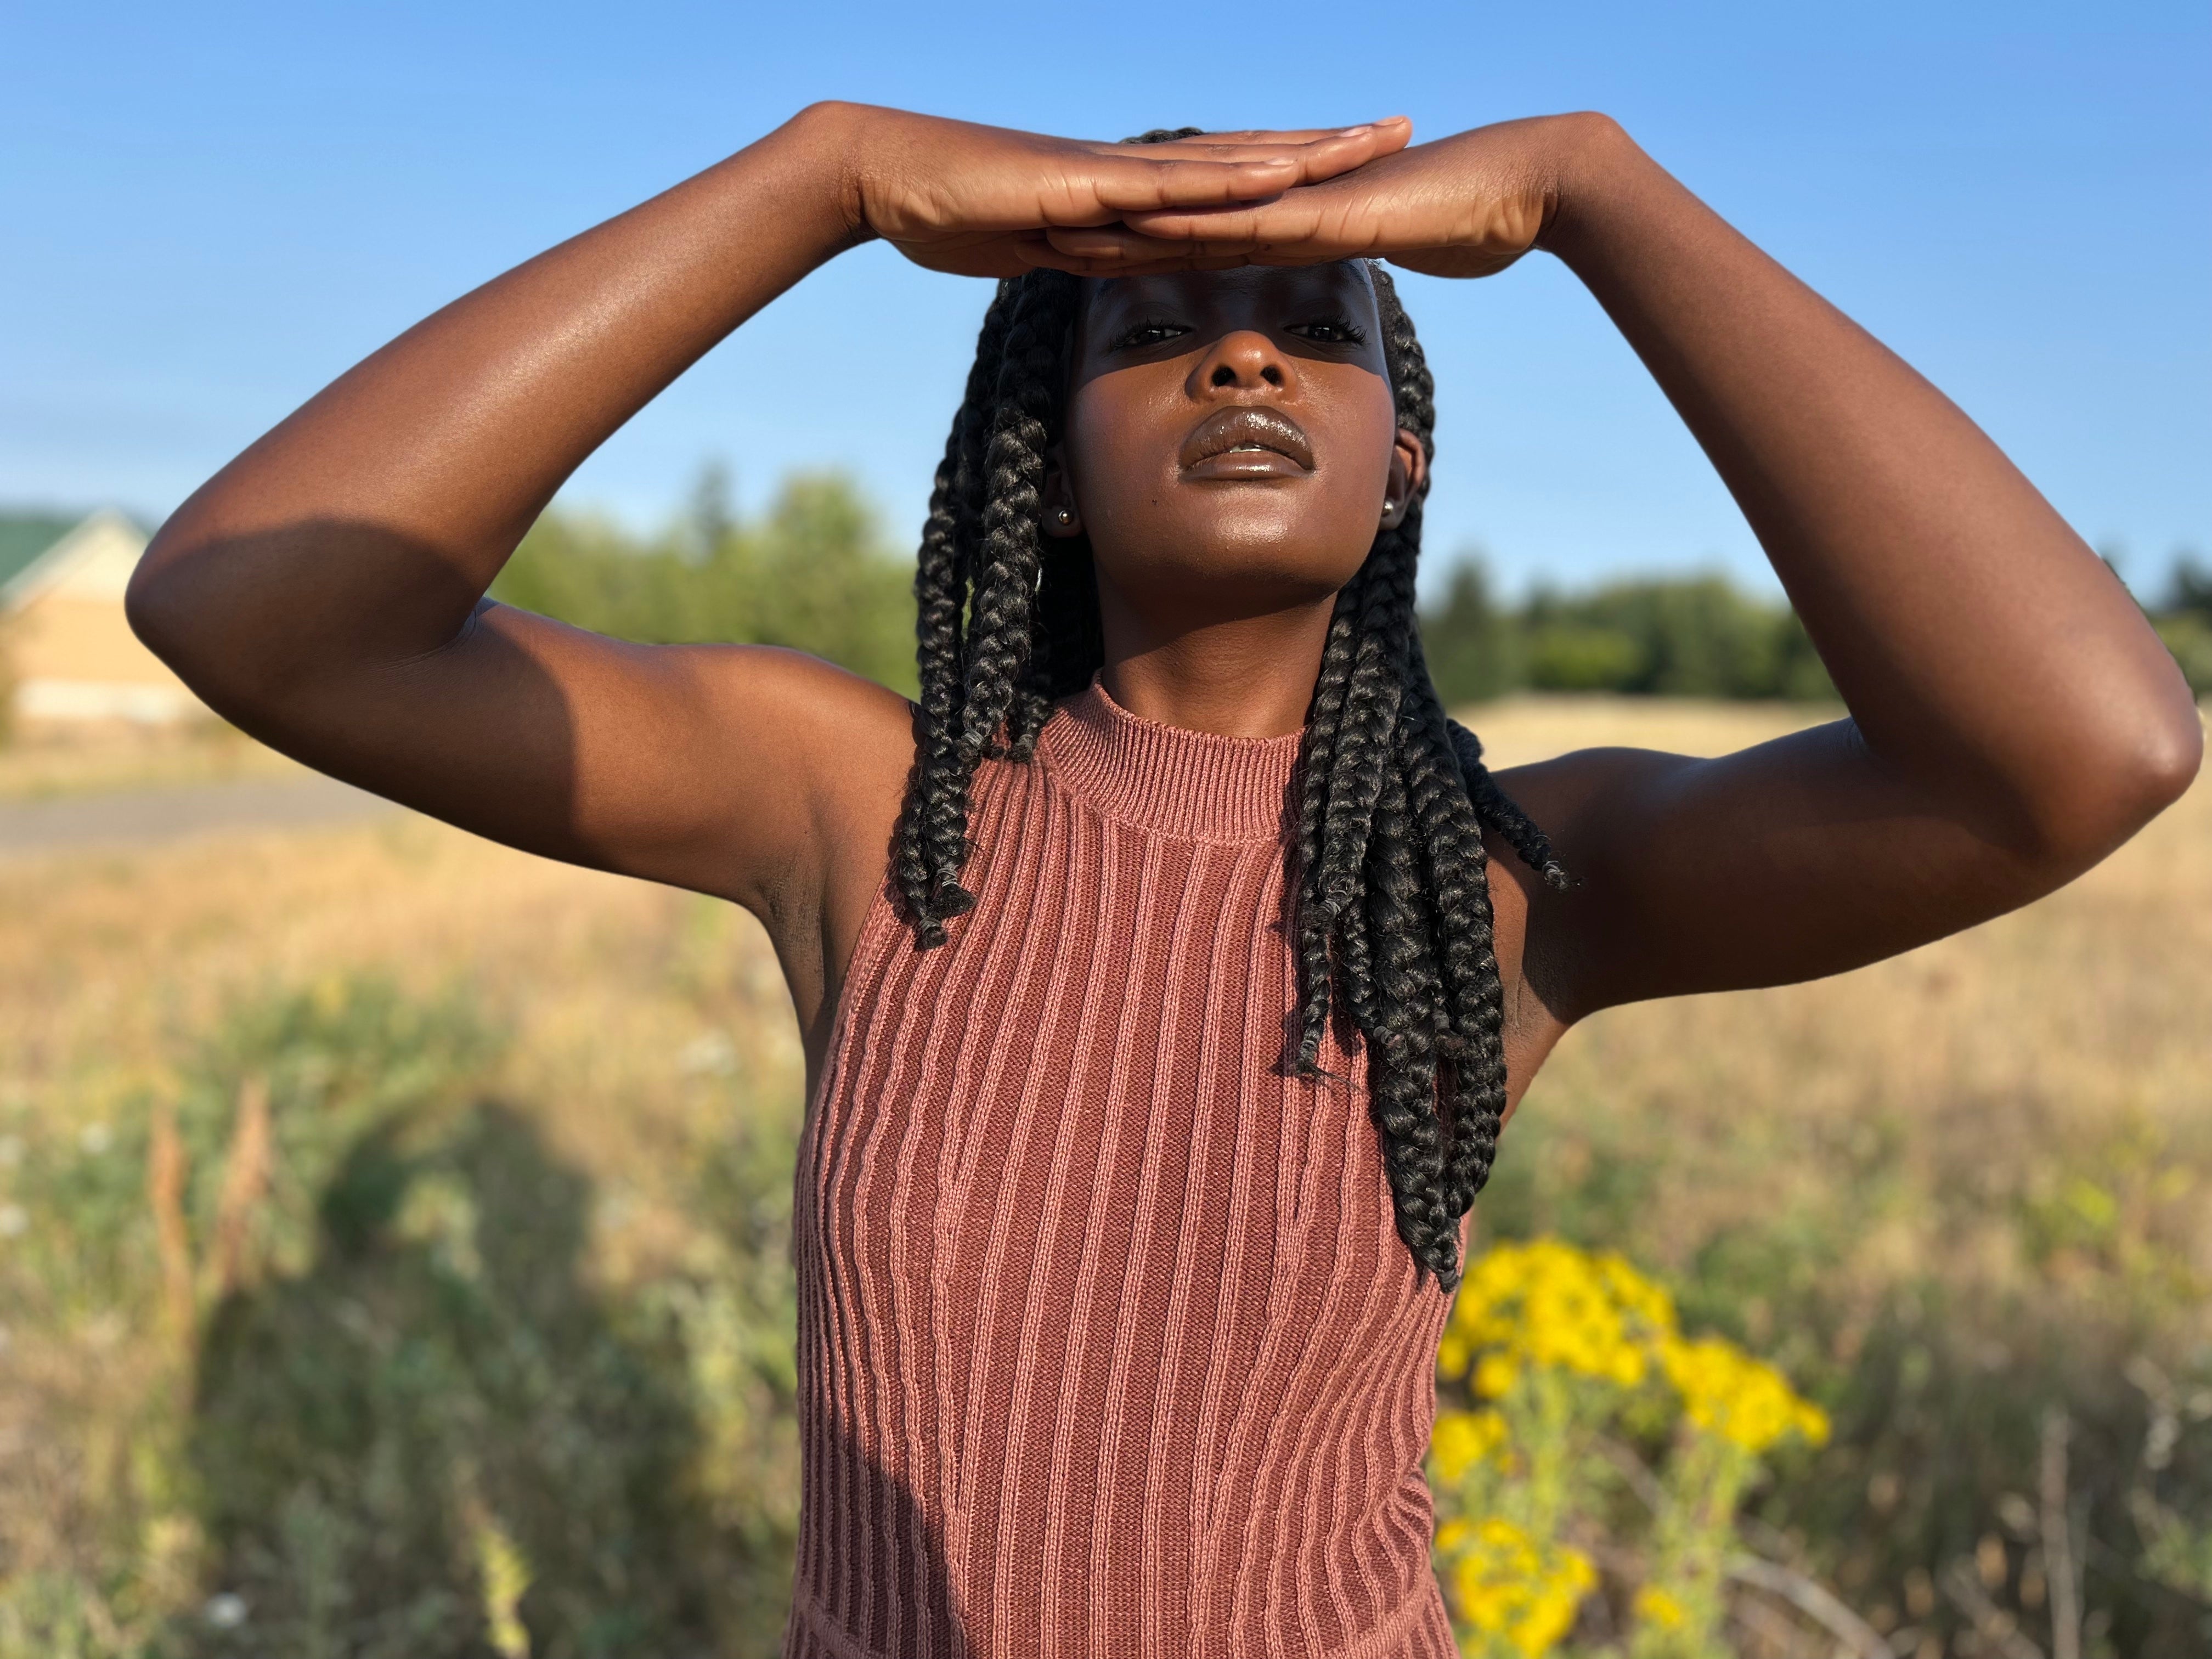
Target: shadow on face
1231,445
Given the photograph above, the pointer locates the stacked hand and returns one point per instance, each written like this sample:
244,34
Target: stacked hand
988,202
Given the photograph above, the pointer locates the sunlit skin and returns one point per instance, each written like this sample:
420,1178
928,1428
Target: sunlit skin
2013,718
1231,553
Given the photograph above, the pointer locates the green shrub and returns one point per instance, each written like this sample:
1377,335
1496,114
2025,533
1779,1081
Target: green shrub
1474,652
408,1412
1564,656
811,573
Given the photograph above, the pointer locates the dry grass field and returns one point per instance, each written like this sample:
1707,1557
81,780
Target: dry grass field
1952,1194
39,764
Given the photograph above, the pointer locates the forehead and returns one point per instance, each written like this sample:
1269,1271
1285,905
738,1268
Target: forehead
1247,288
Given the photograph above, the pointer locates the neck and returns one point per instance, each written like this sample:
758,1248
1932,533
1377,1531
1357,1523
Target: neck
1239,676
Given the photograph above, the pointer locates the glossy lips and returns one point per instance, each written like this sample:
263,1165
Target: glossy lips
1245,442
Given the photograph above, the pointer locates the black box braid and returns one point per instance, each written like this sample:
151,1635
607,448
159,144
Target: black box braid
1393,921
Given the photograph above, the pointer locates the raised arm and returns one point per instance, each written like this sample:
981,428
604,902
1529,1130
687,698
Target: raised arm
2013,717
326,590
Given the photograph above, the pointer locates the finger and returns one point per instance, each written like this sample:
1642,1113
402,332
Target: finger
1292,231
1246,138
1189,174
1299,219
1113,245
1330,156
1112,252
1124,257
1395,130
1044,256
1321,153
1118,187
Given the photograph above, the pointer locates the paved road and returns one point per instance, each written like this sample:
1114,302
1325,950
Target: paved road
148,818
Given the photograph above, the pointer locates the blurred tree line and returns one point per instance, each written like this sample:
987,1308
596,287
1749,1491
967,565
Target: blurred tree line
814,571
1696,636
1690,637
2185,621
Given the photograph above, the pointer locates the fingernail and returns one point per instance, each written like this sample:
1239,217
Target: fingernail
1354,133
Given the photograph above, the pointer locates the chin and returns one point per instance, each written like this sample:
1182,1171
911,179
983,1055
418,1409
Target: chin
1237,565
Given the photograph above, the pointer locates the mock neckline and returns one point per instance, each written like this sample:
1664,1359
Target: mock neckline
1189,786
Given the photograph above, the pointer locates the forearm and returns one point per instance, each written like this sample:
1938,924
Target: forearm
371,520
1985,652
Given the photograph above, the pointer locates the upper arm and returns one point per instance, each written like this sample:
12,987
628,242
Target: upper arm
1794,859
729,769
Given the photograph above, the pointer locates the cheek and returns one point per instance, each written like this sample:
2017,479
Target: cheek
1334,518
1120,449
1367,441
1370,430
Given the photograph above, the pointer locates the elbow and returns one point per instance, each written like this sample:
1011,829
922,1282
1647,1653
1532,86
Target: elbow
2170,763
2110,793
171,607
2165,757
157,612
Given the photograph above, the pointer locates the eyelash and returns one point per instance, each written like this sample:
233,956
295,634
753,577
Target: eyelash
1132,338
1348,332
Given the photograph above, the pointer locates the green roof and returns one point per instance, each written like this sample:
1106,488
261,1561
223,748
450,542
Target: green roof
24,535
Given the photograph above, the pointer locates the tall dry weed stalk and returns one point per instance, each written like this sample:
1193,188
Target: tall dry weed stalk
167,1170
245,1173
2057,1517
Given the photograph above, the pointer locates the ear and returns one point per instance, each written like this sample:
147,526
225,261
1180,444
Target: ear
1061,517
1409,478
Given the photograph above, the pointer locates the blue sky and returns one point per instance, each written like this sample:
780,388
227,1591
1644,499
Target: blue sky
213,210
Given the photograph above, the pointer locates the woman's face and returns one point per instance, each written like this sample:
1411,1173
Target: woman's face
1231,444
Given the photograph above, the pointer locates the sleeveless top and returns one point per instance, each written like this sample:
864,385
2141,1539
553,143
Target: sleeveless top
1107,1341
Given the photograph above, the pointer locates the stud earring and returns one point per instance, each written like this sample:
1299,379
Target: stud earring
1065,516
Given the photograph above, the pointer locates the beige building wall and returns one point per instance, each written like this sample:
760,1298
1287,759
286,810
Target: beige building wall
74,654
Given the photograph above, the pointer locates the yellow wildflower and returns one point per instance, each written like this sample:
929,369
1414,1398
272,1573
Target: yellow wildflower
1461,1440
1660,1608
1745,1400
1547,1304
1513,1588
505,1574
1494,1373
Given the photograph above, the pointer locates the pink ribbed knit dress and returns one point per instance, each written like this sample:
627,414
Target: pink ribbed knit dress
1107,1341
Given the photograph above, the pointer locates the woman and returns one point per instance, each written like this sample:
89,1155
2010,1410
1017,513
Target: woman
1162,1001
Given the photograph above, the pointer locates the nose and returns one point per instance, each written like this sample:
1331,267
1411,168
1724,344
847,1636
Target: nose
1244,359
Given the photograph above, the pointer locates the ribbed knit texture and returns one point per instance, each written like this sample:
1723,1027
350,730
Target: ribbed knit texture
1107,1344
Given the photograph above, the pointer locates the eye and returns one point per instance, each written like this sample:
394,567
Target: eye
1331,331
1152,332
